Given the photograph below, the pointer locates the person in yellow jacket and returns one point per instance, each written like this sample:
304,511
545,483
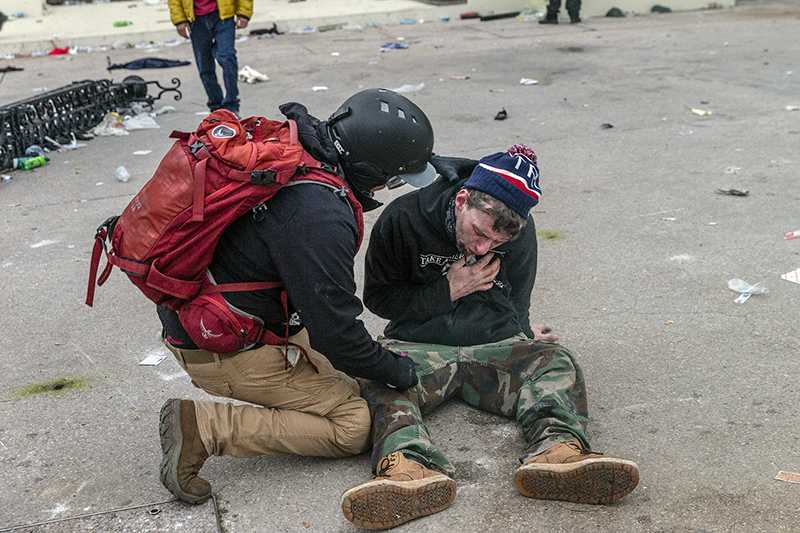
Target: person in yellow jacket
211,26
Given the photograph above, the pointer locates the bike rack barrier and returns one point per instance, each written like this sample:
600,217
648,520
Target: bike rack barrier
74,108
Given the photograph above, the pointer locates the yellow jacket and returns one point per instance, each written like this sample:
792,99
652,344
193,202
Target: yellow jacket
183,10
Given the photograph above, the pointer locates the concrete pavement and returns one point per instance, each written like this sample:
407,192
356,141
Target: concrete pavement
636,250
91,25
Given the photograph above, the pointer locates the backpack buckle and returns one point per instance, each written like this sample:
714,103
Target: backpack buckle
330,169
300,170
263,177
196,147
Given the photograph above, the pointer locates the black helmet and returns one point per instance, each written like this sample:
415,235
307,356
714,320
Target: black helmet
380,134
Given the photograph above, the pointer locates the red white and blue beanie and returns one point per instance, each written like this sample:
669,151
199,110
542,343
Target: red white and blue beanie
512,177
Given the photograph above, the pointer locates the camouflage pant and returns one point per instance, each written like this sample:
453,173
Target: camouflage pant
540,384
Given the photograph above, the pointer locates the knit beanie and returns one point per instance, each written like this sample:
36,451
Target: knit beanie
512,177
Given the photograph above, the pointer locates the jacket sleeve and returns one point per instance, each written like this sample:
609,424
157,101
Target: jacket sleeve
317,269
244,8
389,288
521,273
176,12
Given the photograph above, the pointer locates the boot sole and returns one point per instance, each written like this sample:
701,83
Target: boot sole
171,444
591,481
383,503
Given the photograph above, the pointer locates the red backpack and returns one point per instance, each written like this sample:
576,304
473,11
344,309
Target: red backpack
165,239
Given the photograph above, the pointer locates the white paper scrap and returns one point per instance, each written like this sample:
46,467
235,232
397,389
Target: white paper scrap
153,359
793,276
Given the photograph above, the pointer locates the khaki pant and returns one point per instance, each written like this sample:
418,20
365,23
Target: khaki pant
303,413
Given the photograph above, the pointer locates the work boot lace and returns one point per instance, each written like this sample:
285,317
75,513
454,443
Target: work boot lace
386,464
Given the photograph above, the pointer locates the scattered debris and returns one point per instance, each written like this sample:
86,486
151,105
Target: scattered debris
250,75
318,88
791,477
606,126
123,175
497,16
793,276
142,121
147,62
788,107
459,77
745,289
733,192
685,132
501,115
615,12
470,15
271,31
732,170
409,88
660,9
792,235
393,46
528,81
154,359
701,112
142,152
29,163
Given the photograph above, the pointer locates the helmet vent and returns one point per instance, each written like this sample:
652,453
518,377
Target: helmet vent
385,107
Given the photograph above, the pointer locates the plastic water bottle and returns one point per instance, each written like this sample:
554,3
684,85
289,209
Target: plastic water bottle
29,163
122,174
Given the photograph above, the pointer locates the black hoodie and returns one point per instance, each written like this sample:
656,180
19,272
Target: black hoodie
306,236
409,252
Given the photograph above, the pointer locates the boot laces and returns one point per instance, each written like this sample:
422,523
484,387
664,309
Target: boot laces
582,450
387,463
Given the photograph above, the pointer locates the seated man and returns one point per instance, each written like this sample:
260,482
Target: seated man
452,267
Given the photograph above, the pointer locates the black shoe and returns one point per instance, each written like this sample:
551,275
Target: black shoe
574,19
549,20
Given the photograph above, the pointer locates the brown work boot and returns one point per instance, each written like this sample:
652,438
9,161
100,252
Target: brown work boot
402,490
183,452
569,472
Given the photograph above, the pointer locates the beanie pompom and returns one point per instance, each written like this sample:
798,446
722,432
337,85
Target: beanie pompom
521,149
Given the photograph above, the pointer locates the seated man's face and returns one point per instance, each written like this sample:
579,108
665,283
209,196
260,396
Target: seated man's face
475,234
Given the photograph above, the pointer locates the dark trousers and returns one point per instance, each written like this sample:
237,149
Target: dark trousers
573,7
213,39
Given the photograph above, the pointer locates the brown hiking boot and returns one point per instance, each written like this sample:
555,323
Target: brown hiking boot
183,452
402,490
569,472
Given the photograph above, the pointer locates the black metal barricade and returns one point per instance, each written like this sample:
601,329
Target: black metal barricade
74,108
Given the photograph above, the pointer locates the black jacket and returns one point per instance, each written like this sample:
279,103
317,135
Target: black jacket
409,252
306,238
